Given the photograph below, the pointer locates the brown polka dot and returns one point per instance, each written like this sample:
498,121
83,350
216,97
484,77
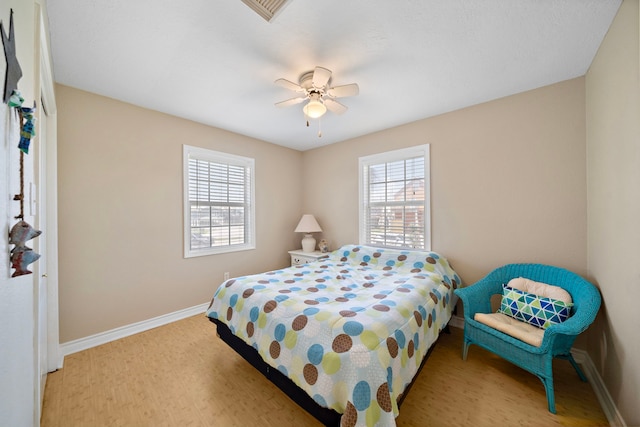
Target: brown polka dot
455,284
263,282
369,277
444,303
342,343
433,297
388,267
402,257
299,274
289,281
247,293
405,290
418,317
310,373
285,291
355,250
364,264
342,299
368,285
299,322
381,307
250,329
347,313
339,277
384,397
344,271
377,254
343,259
431,260
312,289
446,285
229,313
410,349
269,306
345,288
429,320
392,345
415,270
379,296
320,280
350,416
311,302
229,283
274,349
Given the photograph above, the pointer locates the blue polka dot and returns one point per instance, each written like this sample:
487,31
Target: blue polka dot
233,300
322,299
310,311
388,303
259,287
357,309
422,312
353,328
315,354
390,378
400,338
433,314
416,341
253,314
295,289
350,295
279,332
283,370
366,258
321,286
361,396
320,400
391,263
281,298
418,264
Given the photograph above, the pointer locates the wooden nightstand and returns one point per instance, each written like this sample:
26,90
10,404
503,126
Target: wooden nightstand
298,257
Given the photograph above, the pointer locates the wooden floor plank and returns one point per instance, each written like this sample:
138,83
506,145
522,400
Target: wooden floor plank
181,374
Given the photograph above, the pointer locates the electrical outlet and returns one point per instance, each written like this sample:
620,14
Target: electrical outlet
226,275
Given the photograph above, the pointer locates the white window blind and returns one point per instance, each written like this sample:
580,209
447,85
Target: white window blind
219,211
394,199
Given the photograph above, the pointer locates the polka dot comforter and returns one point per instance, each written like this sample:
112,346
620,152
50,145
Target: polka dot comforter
351,330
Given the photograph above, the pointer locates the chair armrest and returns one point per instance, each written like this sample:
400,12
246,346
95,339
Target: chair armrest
477,297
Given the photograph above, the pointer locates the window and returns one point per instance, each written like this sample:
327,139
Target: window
219,214
394,199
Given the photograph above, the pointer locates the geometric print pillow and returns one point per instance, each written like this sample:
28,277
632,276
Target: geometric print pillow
536,310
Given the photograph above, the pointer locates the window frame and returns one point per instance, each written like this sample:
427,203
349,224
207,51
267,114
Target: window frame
190,152
387,157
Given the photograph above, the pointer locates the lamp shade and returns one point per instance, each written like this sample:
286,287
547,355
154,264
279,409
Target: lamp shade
308,224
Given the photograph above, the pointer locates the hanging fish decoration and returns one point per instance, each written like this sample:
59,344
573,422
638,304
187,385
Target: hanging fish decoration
21,255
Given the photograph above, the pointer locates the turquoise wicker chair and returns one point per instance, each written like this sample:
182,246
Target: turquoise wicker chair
557,340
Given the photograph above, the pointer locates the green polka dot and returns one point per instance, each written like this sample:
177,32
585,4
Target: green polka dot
331,363
369,339
240,304
323,315
290,339
262,320
372,414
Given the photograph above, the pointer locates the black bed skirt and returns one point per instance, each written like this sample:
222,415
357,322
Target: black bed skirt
326,416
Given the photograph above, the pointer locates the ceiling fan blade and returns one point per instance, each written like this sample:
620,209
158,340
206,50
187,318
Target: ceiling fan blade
321,77
344,90
292,101
289,85
334,106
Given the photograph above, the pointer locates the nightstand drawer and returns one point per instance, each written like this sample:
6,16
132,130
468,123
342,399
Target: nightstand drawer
300,258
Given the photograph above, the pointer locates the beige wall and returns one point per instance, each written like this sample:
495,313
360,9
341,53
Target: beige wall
613,151
508,181
120,213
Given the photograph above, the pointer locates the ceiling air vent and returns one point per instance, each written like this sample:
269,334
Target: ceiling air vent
266,8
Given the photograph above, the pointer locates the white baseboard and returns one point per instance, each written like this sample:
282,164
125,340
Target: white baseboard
457,322
599,388
125,331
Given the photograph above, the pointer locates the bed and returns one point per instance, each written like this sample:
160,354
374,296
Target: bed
351,330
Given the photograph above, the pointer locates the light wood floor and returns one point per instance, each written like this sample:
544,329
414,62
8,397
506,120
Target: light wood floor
181,374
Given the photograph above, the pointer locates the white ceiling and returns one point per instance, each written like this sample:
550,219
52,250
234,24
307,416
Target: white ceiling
215,61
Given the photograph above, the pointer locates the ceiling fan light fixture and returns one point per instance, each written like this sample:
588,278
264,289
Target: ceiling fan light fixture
314,109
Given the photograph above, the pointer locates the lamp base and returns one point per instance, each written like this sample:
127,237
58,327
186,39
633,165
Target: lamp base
308,243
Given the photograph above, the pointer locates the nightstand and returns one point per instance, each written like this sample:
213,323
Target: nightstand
298,257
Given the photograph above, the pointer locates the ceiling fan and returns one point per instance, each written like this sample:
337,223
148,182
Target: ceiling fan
320,96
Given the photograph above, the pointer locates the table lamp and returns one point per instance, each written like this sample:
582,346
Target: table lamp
308,225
